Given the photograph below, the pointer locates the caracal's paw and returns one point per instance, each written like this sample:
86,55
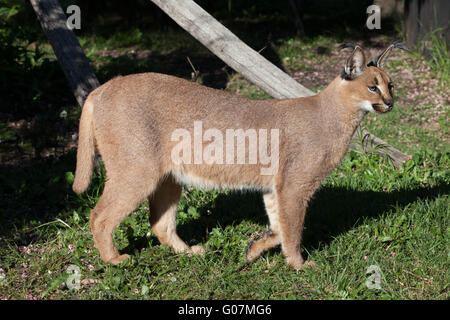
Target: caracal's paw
116,260
196,250
305,265
300,264
309,265
252,253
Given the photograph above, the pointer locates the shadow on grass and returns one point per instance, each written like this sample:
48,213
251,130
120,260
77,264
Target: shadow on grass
39,193
35,193
331,212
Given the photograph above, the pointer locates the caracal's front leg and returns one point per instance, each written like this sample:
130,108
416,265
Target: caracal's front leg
270,238
292,204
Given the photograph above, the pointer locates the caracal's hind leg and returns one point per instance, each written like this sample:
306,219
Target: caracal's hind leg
270,238
163,210
118,200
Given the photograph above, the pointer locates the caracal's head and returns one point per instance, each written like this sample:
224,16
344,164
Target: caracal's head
367,86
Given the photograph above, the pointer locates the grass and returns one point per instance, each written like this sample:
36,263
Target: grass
439,56
367,213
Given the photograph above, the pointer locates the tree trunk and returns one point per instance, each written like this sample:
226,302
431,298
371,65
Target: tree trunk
71,57
296,12
254,67
423,16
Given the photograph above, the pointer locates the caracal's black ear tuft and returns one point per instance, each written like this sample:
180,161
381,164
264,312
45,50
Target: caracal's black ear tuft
355,64
379,60
348,45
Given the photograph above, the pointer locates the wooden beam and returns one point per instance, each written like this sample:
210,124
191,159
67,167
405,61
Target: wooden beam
228,47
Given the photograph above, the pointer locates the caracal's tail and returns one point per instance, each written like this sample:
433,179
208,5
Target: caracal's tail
86,148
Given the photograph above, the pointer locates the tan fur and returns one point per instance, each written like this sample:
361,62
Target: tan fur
131,120
86,142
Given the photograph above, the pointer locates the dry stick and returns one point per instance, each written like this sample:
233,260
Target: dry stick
196,73
246,61
416,276
285,292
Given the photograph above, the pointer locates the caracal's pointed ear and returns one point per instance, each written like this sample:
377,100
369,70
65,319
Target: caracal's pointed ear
355,64
379,60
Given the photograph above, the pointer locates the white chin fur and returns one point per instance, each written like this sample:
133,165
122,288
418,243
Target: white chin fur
366,106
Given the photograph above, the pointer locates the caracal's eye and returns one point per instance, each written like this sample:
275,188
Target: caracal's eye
373,88
390,87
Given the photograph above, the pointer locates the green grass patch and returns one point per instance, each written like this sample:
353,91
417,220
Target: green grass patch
366,213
